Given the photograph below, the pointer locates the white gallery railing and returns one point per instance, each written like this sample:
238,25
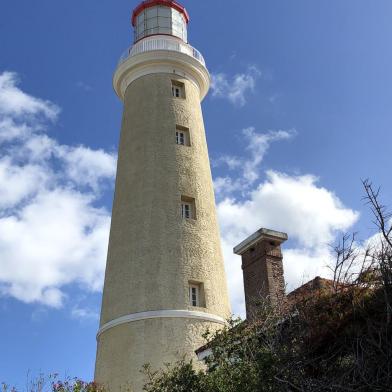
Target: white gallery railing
161,43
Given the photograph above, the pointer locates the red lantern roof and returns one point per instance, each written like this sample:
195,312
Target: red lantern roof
152,3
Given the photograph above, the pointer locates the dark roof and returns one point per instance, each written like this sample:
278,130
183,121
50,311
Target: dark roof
317,285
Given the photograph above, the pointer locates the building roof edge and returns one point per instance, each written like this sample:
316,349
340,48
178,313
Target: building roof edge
259,235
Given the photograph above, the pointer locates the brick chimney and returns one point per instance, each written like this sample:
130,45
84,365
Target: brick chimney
262,265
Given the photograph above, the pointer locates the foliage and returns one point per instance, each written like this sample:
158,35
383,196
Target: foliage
179,378
337,338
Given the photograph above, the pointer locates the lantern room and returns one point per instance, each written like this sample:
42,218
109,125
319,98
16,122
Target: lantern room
164,17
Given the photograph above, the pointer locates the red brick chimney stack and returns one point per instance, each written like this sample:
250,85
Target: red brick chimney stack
262,265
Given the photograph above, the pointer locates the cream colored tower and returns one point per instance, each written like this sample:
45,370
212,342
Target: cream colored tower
165,281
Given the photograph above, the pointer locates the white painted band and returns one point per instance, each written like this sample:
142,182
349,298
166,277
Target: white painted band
161,314
161,61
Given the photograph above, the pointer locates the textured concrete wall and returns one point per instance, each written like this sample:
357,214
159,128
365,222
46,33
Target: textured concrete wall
154,253
262,266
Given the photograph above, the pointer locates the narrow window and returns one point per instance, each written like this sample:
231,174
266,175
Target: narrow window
182,136
176,92
178,89
194,295
188,208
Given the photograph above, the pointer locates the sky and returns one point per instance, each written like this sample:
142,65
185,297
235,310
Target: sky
299,111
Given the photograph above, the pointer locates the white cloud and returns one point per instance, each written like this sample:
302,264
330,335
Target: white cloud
247,168
226,186
85,166
37,148
231,162
51,232
84,313
57,239
258,145
234,89
9,130
303,264
311,214
18,182
14,102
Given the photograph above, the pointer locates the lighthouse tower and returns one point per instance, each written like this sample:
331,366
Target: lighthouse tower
165,282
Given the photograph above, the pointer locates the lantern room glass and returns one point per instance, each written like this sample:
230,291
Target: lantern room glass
160,20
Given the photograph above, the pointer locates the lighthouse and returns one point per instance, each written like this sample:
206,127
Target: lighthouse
165,282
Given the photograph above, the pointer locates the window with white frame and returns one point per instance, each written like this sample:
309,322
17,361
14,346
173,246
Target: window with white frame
188,208
182,136
178,89
194,295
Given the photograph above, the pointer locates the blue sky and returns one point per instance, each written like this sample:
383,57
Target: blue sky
298,113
